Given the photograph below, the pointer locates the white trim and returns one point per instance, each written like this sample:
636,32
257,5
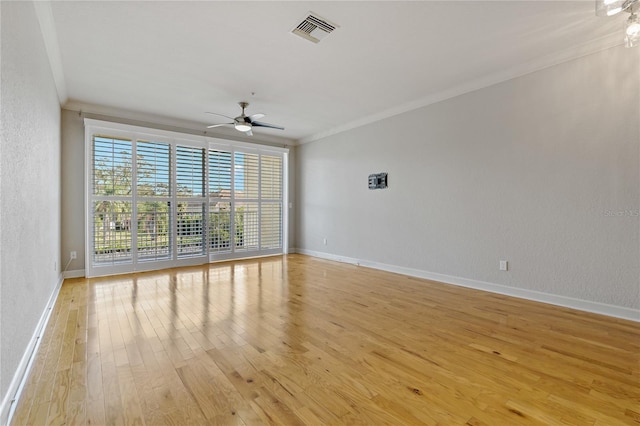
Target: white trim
327,256
117,115
547,61
222,144
553,299
174,139
50,38
21,375
178,137
249,257
76,273
285,203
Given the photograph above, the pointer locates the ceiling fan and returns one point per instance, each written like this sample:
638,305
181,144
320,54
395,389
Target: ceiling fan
244,123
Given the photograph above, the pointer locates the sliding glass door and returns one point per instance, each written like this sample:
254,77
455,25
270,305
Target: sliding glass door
159,199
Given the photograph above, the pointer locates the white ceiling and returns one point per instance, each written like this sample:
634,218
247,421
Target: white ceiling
179,59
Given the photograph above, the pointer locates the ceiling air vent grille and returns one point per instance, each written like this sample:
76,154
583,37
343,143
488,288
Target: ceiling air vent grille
314,28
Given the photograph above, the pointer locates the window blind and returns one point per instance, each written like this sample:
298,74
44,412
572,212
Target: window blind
219,174
153,169
169,201
189,171
111,166
246,176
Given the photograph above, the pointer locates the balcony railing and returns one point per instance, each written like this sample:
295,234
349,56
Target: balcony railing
113,240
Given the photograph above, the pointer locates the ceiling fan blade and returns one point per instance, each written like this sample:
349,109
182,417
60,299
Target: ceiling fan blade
221,115
271,126
256,116
217,125
248,133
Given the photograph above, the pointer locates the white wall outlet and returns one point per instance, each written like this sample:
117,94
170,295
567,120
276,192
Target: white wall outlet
324,240
504,265
73,255
55,266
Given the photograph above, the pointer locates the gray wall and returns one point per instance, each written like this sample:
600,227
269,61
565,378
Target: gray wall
73,152
72,226
541,170
29,184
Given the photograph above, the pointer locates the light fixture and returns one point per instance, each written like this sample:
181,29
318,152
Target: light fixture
632,31
613,10
632,26
608,7
242,127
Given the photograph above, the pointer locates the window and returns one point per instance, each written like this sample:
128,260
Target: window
159,199
190,211
111,205
153,190
219,202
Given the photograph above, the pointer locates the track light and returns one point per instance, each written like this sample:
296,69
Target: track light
632,26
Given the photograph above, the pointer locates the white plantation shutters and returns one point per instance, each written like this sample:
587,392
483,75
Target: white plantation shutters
111,202
153,170
271,225
219,225
247,176
112,167
219,174
246,225
111,247
153,230
153,207
271,177
158,199
245,202
271,202
190,171
246,192
190,209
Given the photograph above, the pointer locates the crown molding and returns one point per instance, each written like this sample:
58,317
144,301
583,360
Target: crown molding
106,113
44,14
547,61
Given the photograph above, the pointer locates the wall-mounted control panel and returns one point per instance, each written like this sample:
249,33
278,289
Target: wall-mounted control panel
378,181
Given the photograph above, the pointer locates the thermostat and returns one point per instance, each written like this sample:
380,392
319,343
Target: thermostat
378,181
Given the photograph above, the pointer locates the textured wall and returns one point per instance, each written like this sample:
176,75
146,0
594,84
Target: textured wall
30,183
535,170
72,189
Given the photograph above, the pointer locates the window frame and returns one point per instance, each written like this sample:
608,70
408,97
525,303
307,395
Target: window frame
174,139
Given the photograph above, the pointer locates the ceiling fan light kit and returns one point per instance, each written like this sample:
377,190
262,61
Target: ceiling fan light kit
631,26
244,123
243,127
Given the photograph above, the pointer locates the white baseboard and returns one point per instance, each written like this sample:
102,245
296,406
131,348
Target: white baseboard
77,273
327,256
553,299
22,372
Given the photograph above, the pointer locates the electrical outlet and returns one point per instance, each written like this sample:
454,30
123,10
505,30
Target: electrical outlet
325,241
55,266
73,255
504,265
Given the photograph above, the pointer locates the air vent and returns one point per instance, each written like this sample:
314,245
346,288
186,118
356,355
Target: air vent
314,28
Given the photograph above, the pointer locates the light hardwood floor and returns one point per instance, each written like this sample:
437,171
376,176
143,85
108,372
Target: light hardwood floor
299,340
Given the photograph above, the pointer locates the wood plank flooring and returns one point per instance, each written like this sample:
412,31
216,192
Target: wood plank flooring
298,340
